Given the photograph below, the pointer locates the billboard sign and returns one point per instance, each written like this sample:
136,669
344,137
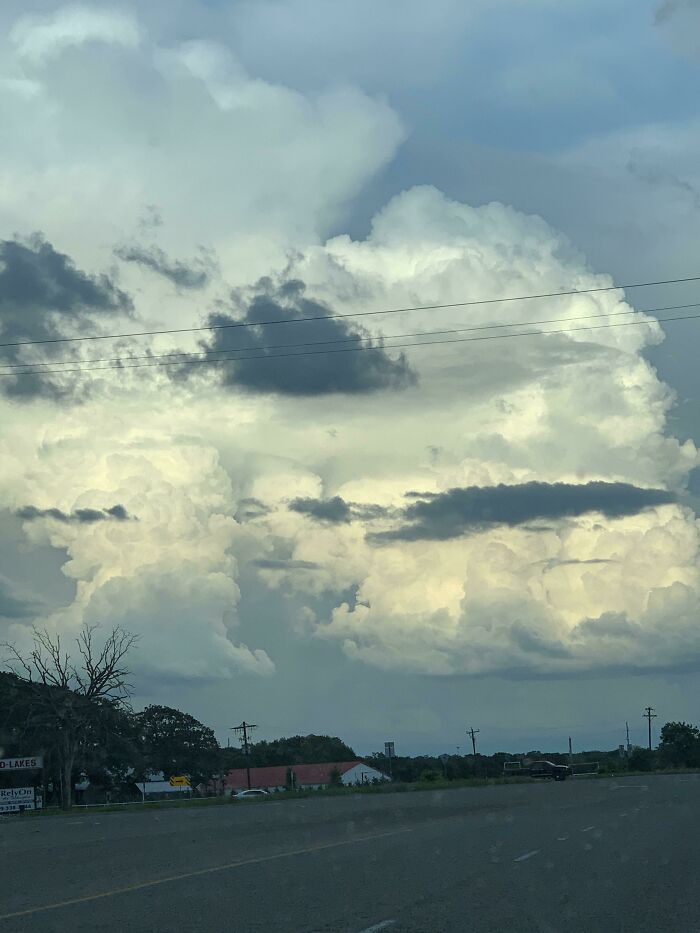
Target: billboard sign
28,763
13,799
389,749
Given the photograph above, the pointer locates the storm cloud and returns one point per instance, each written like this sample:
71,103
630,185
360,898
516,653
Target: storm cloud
183,276
116,513
45,297
450,514
330,361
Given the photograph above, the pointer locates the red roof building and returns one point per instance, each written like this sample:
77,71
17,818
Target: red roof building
307,776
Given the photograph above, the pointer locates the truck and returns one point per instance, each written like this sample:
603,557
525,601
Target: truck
537,769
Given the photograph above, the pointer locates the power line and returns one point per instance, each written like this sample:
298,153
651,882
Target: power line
400,346
327,317
355,337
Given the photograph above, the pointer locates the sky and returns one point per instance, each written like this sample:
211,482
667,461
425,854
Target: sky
379,540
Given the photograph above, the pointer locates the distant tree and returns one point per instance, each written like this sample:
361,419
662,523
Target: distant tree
680,744
301,749
176,743
71,694
642,759
336,778
430,776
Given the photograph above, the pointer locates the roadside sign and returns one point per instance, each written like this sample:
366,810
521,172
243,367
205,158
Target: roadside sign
29,763
20,805
389,749
13,799
16,794
179,781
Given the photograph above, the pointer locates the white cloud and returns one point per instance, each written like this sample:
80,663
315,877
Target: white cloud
40,37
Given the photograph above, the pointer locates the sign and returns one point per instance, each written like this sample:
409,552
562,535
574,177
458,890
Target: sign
30,763
13,799
16,794
16,807
179,781
389,749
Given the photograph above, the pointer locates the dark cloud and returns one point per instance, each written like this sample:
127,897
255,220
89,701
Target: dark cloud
79,516
182,275
669,8
335,510
44,297
276,370
268,563
450,514
609,625
12,605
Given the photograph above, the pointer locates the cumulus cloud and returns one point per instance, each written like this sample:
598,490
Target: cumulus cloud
44,297
38,37
267,352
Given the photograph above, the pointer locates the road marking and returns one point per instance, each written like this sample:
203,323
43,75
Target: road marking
229,866
520,858
587,829
379,926
562,838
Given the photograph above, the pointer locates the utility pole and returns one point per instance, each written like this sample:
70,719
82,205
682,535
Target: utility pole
473,732
389,752
627,729
649,714
571,757
243,730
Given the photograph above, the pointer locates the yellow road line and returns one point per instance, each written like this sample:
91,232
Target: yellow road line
200,872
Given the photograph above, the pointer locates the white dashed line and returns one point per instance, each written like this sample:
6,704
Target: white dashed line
587,829
522,858
379,926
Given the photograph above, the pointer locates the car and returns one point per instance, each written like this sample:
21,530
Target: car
251,794
547,769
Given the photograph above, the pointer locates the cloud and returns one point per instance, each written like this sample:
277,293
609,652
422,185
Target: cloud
441,516
13,605
183,276
325,510
38,37
268,366
30,513
269,563
45,297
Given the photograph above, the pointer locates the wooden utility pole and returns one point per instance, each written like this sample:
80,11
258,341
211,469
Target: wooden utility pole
473,733
243,730
649,714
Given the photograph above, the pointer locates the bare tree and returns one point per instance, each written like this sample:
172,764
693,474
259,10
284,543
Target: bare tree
68,691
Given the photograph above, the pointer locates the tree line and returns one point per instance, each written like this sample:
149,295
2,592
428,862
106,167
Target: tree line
73,707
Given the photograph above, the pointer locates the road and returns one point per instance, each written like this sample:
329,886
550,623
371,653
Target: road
587,855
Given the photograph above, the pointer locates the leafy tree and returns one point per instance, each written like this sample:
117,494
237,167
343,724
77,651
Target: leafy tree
176,743
69,694
642,759
301,749
430,776
680,744
336,778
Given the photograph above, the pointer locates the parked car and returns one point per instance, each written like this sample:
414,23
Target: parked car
250,794
547,769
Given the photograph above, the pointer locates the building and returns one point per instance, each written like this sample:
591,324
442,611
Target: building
306,777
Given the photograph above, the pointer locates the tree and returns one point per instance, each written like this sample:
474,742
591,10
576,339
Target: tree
301,749
336,778
68,693
176,743
680,744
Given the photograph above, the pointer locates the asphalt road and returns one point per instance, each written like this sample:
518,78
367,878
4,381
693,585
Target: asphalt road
609,855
